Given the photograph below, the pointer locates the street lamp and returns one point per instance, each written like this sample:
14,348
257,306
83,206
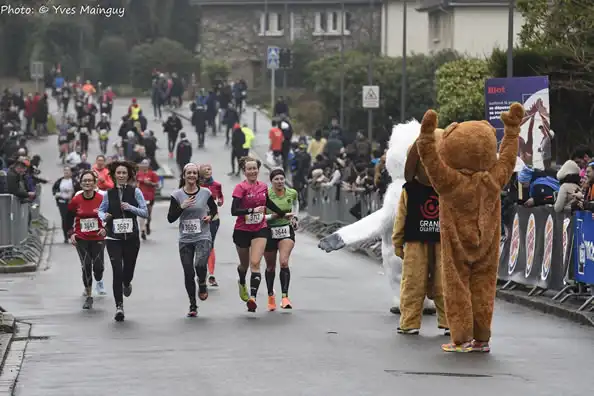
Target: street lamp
403,83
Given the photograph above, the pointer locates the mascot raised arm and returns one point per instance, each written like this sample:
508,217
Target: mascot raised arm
380,223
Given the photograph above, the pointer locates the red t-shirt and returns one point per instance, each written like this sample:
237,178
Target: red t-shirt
148,191
251,196
87,223
276,139
216,190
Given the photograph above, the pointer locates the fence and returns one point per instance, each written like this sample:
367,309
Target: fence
542,250
21,228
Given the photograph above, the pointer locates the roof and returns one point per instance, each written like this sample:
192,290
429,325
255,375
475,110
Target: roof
279,2
429,5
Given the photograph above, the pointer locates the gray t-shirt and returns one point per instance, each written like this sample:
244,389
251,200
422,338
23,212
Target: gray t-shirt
191,226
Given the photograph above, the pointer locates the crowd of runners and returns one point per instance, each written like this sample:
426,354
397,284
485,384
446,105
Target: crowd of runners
112,219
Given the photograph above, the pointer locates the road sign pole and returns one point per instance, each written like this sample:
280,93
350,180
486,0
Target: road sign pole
37,85
272,89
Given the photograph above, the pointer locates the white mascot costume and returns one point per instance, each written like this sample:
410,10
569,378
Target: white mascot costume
381,222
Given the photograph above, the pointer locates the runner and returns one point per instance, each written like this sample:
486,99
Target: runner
281,238
194,207
216,190
63,191
250,200
119,209
88,234
104,181
147,181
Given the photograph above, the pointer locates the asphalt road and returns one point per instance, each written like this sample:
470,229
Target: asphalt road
339,339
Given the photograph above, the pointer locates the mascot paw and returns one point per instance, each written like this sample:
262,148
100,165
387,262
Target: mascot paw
514,116
429,123
331,242
395,310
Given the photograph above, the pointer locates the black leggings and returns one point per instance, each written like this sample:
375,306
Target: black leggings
194,259
122,254
66,225
235,156
91,260
157,110
171,139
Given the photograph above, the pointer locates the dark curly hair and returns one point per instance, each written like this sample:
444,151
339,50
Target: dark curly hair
131,166
246,159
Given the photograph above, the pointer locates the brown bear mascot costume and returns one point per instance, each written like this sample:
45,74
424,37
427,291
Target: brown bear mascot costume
416,241
466,173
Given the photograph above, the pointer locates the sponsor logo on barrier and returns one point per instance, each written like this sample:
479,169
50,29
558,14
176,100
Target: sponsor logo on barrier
514,248
548,249
566,223
530,241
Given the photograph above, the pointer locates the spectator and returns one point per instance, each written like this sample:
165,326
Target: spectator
317,144
280,108
569,177
541,188
582,156
334,145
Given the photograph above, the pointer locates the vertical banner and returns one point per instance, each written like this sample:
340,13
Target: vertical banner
533,93
584,247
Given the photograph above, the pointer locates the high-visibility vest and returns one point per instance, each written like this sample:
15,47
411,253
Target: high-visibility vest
135,112
249,137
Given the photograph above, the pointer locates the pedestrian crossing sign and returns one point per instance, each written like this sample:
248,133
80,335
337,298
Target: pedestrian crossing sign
371,97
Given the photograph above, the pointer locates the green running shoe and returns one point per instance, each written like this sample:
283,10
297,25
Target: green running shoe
243,292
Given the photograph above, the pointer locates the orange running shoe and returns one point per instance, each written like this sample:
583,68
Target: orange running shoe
251,304
272,303
286,303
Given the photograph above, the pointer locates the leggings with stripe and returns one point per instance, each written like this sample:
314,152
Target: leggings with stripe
91,260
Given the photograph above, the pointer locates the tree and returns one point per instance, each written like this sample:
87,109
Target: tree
215,71
115,60
461,90
565,27
163,54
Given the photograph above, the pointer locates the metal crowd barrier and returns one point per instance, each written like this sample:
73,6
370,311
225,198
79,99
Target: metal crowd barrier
541,250
21,228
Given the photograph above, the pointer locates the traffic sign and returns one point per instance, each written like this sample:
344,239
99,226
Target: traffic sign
371,97
273,58
36,70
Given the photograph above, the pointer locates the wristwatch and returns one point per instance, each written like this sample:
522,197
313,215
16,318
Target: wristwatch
251,210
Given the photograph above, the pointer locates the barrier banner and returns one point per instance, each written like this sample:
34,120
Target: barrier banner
584,247
533,252
533,93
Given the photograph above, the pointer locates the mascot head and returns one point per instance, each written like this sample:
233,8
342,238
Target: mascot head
470,146
403,136
413,168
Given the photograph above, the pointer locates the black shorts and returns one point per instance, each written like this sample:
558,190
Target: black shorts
243,239
272,243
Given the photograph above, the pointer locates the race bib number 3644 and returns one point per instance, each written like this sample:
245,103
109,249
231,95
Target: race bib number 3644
254,218
89,225
280,232
122,226
191,226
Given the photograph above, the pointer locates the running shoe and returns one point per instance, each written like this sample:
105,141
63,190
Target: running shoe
478,346
272,303
100,288
119,315
128,290
202,292
407,331
446,331
460,348
286,303
251,305
88,303
243,292
143,235
193,312
212,281
148,229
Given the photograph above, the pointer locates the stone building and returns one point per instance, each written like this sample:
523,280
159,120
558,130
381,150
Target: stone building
239,31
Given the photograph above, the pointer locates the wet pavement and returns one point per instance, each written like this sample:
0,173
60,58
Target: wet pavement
339,339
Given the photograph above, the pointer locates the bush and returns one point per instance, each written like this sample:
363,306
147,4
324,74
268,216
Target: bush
163,54
114,59
461,90
214,71
324,79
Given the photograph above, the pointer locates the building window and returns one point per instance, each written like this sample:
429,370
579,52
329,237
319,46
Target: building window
271,24
332,23
436,21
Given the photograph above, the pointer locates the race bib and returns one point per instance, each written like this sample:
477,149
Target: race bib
191,226
89,225
281,232
65,94
254,218
122,226
104,105
84,130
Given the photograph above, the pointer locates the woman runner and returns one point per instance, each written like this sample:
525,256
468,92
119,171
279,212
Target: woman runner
250,200
281,237
88,234
194,207
147,180
216,190
119,209
63,190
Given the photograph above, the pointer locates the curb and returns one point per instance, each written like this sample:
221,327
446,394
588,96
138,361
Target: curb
544,304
